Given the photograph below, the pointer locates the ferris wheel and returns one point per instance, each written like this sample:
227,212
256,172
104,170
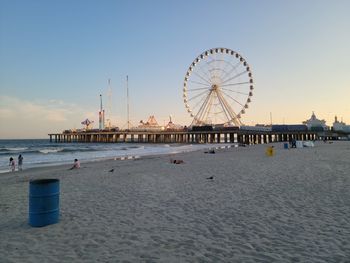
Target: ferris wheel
218,87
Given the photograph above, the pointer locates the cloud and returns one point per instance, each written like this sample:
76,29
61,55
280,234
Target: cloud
21,118
56,116
6,114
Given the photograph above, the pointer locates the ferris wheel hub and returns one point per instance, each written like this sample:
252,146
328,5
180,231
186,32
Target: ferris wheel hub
214,87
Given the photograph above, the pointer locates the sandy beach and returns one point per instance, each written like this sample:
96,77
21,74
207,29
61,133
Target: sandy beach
292,207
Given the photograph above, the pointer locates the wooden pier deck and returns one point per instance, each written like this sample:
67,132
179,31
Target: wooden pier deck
226,136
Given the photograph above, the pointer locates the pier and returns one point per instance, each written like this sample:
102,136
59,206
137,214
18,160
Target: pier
226,136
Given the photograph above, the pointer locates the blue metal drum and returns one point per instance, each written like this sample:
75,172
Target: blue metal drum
44,197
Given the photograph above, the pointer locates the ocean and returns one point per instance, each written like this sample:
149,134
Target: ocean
37,153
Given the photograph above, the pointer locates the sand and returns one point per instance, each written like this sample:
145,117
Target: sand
292,207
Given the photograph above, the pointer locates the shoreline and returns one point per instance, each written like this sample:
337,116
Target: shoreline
116,158
120,155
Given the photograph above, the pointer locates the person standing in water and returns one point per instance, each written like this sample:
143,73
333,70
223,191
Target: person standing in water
20,162
12,164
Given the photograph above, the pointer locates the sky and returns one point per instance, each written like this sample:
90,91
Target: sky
56,58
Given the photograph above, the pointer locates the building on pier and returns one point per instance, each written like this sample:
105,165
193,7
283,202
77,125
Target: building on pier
340,126
314,124
150,125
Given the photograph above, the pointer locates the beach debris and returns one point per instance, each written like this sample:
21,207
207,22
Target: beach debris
270,151
308,144
176,161
111,171
131,157
210,151
210,178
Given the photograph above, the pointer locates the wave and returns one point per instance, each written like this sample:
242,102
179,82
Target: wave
46,151
13,149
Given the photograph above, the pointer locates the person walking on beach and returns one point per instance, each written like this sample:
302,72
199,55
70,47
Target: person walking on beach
20,162
76,164
12,164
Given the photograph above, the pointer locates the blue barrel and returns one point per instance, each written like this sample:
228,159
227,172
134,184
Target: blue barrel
285,145
44,195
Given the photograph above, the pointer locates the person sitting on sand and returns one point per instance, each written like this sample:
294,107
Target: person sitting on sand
12,164
76,164
176,161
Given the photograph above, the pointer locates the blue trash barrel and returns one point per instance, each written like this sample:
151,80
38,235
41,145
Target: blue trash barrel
285,145
44,197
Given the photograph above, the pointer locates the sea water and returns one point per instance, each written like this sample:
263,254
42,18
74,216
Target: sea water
38,153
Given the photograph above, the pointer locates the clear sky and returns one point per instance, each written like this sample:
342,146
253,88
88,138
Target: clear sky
56,58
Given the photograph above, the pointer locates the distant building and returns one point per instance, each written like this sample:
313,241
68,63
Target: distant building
340,126
315,124
173,126
150,125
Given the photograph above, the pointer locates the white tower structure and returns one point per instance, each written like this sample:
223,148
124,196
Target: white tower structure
101,115
109,104
127,102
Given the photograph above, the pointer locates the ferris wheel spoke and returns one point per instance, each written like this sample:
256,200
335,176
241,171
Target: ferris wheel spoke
199,83
205,72
198,103
233,99
205,88
201,102
198,95
232,70
223,70
238,92
223,64
210,66
202,78
216,62
235,84
235,76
